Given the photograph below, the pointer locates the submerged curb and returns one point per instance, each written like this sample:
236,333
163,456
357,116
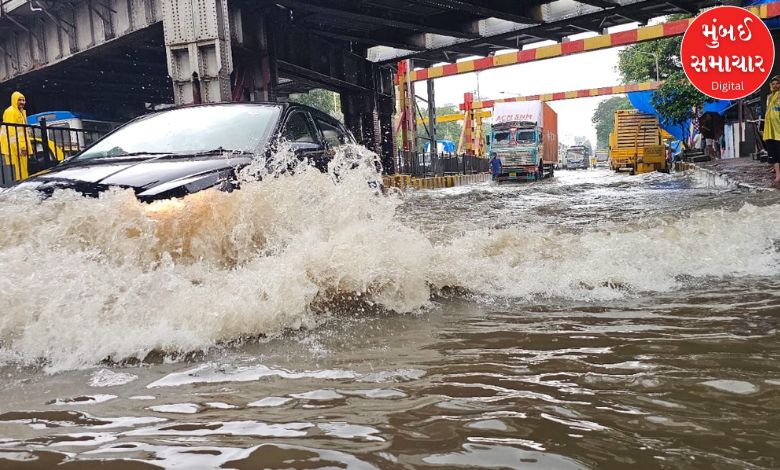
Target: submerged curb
687,166
408,182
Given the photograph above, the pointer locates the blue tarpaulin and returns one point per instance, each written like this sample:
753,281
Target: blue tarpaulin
643,102
442,146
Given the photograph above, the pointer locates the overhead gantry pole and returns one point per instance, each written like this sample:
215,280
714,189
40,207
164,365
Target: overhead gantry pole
557,96
565,95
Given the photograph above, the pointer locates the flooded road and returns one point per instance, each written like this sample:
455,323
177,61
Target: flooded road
590,321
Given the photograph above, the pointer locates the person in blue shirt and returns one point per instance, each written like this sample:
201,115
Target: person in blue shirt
495,166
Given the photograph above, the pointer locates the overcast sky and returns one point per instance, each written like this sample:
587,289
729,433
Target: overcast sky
575,72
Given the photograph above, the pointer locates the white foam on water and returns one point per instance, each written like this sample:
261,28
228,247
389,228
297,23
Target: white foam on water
375,393
739,387
350,431
18,456
184,408
318,395
230,428
108,378
270,402
220,405
187,275
213,373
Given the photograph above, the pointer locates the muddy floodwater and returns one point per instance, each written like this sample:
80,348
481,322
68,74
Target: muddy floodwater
589,321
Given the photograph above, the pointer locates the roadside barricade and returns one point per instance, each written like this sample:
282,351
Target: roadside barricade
28,149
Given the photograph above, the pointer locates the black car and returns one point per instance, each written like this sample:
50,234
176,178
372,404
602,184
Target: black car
180,151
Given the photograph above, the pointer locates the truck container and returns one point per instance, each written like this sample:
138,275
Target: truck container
524,135
635,144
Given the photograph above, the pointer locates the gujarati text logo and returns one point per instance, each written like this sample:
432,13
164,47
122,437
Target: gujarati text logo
727,52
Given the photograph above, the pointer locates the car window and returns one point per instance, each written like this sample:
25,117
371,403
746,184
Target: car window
334,136
298,129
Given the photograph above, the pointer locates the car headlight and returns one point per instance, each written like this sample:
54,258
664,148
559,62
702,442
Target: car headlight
164,208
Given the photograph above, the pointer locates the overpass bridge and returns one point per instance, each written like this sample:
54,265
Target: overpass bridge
122,57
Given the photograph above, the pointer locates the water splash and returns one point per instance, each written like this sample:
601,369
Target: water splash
85,280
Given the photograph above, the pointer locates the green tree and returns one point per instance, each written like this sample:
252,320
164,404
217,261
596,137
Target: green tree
324,100
636,63
604,118
677,101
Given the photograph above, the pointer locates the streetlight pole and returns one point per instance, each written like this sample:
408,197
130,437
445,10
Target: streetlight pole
655,56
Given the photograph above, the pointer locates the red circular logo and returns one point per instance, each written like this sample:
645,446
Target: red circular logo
727,53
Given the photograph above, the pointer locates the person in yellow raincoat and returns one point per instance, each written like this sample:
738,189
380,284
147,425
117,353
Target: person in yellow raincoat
15,141
772,126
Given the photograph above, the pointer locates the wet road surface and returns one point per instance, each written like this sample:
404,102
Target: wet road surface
590,321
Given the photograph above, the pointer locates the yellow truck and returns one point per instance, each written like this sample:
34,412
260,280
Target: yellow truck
635,145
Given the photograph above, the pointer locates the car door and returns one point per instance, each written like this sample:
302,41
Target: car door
333,134
300,133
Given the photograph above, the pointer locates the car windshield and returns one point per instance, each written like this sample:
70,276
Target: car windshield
240,127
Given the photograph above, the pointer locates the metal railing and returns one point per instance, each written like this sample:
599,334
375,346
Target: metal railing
28,149
420,164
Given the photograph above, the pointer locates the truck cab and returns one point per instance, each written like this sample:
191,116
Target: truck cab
577,157
518,146
522,145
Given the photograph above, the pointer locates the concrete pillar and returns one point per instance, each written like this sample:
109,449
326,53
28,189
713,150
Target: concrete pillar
198,49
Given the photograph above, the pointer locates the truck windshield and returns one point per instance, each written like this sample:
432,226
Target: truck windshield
501,137
525,136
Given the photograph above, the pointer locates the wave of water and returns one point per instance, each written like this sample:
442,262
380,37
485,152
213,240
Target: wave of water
84,280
